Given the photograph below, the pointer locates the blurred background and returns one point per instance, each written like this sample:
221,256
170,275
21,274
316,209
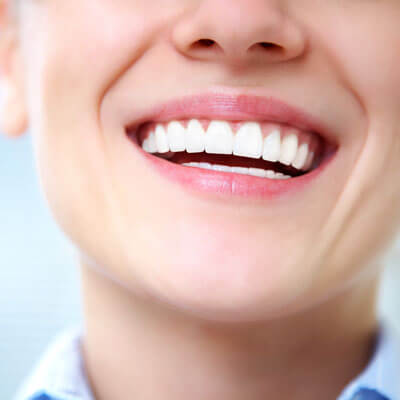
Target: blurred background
39,288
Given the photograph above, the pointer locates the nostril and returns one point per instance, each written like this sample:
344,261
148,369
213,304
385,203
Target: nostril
205,42
276,48
202,44
267,45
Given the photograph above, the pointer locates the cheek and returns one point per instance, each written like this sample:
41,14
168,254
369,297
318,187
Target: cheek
105,39
366,52
68,68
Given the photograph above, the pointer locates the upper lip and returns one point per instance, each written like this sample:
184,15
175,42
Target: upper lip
234,107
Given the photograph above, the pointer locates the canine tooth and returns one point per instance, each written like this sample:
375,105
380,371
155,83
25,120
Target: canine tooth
257,172
309,161
195,137
161,139
301,156
151,143
248,141
145,145
219,138
224,168
176,136
288,149
272,146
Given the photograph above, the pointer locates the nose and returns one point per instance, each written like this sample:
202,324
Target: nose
239,31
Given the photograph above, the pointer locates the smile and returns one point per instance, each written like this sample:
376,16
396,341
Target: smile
243,145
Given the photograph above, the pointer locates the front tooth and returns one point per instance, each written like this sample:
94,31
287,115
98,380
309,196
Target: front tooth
161,139
301,156
248,141
176,136
219,138
288,149
272,146
195,137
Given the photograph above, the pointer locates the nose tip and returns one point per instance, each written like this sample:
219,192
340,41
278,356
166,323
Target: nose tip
239,32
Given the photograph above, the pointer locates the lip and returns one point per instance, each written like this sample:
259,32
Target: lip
233,108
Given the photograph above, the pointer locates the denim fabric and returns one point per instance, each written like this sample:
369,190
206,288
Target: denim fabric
369,394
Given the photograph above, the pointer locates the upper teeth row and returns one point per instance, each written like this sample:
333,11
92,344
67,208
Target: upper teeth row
220,139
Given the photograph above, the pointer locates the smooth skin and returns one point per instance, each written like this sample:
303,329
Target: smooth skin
186,296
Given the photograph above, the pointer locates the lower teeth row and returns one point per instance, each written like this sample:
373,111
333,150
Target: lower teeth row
262,173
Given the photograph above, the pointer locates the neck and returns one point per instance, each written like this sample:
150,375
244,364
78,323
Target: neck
136,349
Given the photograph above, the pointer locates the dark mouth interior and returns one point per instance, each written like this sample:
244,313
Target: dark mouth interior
230,160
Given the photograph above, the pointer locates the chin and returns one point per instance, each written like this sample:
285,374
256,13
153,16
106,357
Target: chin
234,287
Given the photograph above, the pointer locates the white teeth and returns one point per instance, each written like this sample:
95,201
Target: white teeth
270,174
288,149
204,165
176,136
195,137
219,138
280,175
145,145
248,141
239,170
224,168
257,172
272,146
301,156
310,159
161,139
151,143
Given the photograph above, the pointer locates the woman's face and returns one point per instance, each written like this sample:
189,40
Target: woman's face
219,245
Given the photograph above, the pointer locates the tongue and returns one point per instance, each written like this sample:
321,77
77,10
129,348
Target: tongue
233,161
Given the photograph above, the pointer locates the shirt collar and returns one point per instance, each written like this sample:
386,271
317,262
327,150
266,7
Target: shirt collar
61,375
381,373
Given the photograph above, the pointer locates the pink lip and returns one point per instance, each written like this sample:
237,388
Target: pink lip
230,184
235,108
231,107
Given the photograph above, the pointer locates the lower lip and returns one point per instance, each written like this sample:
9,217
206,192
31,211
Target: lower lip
227,184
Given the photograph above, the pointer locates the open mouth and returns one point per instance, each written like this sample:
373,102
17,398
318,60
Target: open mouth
261,149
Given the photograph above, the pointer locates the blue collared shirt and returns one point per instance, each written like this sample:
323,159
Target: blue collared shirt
60,374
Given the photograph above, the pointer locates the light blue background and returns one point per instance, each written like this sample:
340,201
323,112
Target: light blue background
39,293
38,281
